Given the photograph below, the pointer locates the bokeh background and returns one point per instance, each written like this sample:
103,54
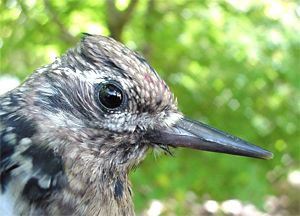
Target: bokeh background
232,64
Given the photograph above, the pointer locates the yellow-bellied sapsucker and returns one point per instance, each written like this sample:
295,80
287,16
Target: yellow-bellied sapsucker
75,128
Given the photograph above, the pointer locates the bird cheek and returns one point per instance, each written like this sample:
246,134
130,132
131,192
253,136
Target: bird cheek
170,118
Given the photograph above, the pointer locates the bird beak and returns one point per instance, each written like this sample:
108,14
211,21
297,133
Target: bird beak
196,135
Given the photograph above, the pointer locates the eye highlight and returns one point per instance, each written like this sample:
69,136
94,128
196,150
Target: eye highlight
110,95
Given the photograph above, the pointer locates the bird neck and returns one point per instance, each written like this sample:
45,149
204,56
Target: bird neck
98,182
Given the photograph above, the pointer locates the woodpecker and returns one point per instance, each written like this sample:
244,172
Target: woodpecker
72,132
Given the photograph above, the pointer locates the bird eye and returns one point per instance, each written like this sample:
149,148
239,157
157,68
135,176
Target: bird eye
110,95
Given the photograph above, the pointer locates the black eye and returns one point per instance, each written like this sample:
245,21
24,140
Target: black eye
111,95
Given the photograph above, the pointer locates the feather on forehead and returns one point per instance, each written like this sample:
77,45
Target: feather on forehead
103,57
103,50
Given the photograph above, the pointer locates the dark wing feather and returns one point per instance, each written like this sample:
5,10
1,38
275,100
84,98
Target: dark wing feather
17,150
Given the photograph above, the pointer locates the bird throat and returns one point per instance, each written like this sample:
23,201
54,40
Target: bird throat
97,184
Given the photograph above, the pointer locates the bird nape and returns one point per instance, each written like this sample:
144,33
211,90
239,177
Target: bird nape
74,129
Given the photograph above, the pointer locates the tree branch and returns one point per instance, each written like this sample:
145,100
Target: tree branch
64,33
148,29
116,19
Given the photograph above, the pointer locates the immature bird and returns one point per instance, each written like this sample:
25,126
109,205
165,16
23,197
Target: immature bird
75,128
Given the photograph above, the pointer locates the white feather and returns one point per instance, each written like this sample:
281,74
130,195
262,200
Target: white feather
7,204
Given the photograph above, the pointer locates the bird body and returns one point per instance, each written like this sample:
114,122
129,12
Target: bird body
71,133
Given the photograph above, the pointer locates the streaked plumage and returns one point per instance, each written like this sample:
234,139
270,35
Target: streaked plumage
74,129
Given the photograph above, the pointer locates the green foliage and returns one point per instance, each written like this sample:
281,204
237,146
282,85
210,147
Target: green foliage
232,64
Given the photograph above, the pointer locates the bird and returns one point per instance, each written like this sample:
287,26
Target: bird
74,129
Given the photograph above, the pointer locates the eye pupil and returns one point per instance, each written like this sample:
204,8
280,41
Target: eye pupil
110,96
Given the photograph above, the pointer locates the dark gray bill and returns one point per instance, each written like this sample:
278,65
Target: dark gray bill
196,135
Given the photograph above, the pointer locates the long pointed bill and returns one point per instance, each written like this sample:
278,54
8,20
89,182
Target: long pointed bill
196,135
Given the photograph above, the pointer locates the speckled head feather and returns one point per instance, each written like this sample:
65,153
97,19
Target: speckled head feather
97,60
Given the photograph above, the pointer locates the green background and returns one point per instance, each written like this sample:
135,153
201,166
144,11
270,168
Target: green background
232,64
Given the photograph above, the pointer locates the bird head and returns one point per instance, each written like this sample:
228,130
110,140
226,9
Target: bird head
106,100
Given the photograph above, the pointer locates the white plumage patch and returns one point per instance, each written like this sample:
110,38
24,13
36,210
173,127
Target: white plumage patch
7,204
